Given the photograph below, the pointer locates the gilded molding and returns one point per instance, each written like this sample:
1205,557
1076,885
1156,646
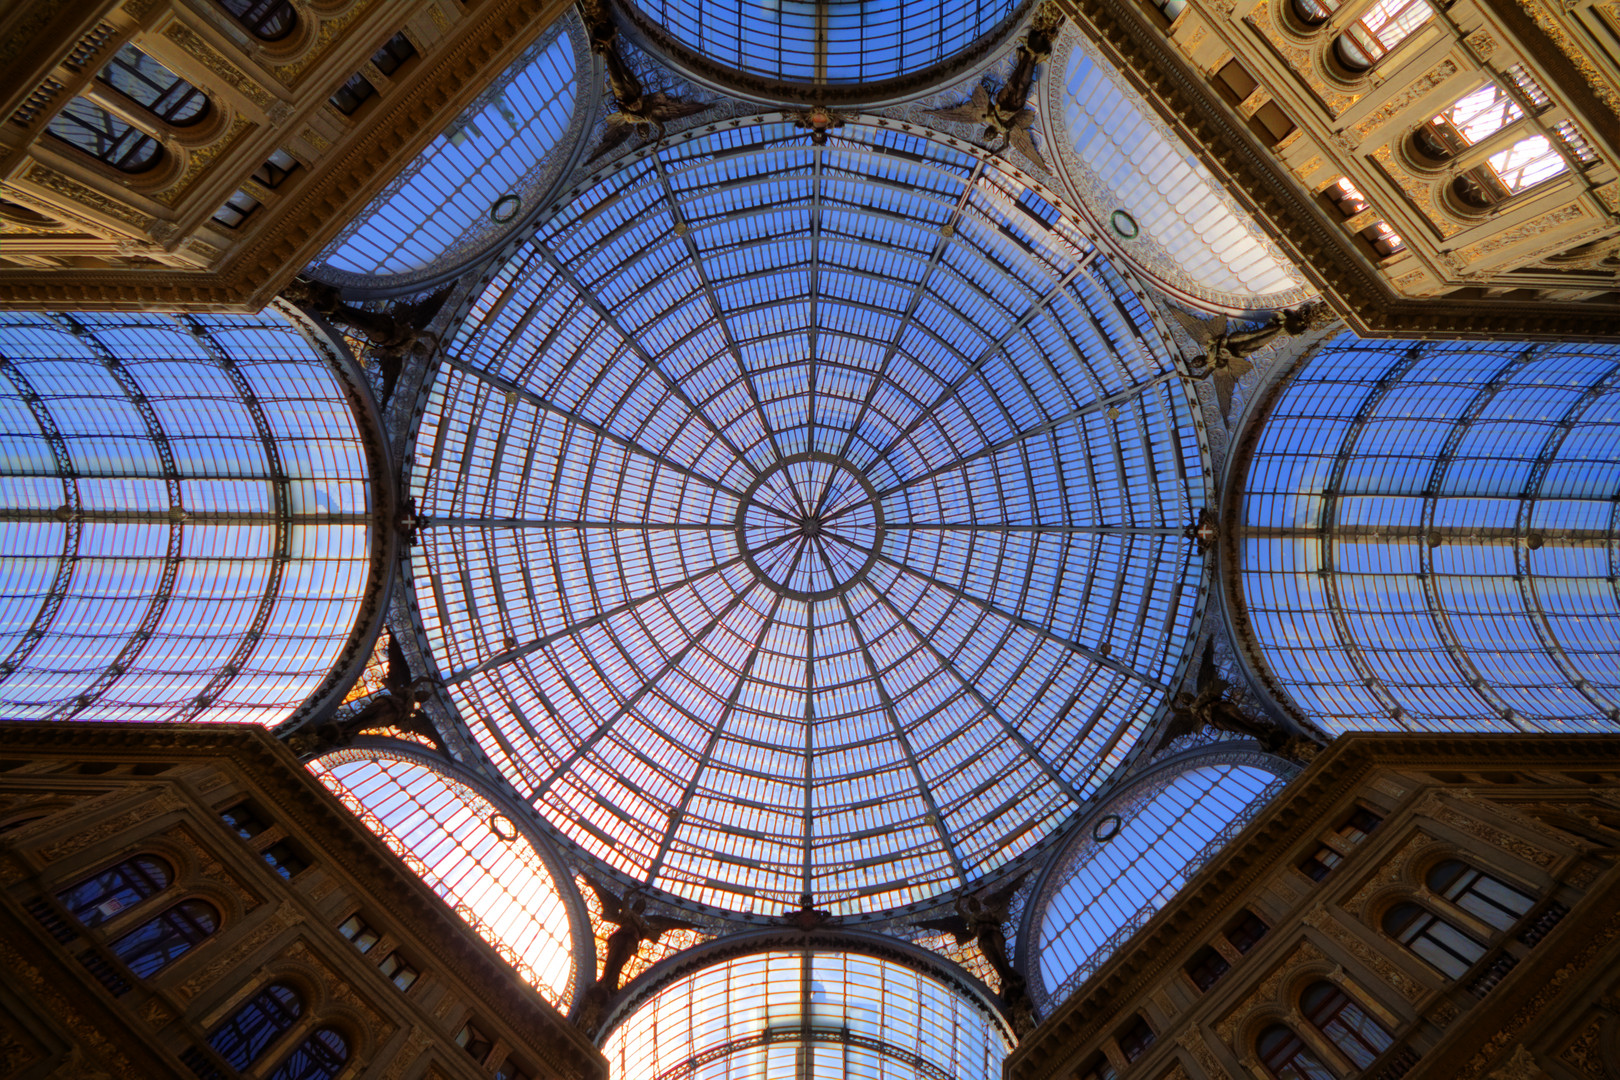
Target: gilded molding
1545,223
197,161
291,73
70,189
1442,71
1481,43
199,48
1263,19
1548,22
1342,936
1418,191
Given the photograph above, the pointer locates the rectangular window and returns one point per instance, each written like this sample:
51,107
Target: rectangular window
511,1070
475,1042
245,820
236,210
286,859
1206,967
358,931
1135,1039
397,971
1245,933
1098,1068
395,51
1319,864
1360,822
352,94
276,169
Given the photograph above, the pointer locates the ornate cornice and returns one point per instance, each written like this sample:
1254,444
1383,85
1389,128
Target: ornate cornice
1322,250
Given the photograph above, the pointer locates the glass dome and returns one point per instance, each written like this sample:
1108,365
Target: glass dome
819,1015
853,49
470,854
185,517
808,519
1429,537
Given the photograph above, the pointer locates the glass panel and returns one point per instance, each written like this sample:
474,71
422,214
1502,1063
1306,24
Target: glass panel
269,20
156,944
256,1025
104,136
184,517
319,1057
143,79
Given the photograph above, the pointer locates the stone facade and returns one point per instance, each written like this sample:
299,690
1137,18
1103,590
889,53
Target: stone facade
77,800
77,233
1374,823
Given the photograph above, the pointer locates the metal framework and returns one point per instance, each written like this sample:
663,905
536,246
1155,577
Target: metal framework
1428,538
480,179
185,516
807,1014
834,52
1131,853
807,519
478,860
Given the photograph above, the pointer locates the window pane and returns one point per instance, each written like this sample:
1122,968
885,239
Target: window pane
156,944
104,136
319,1057
141,78
254,1026
99,898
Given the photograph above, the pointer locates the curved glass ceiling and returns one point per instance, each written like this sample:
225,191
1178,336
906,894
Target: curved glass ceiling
808,1015
1162,206
822,42
1430,537
469,854
185,517
803,519
475,181
1137,854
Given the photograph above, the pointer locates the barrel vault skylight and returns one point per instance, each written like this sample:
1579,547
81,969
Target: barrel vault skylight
804,519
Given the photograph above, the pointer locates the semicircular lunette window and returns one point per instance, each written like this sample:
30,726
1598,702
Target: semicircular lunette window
1115,877
808,1014
808,547
827,43
186,517
1179,225
476,179
469,854
1430,537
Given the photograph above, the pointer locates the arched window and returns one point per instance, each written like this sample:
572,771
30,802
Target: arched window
267,20
1284,1054
102,135
319,1057
1388,23
253,1027
1371,37
1447,949
1476,115
159,942
96,899
1345,1023
1482,896
160,91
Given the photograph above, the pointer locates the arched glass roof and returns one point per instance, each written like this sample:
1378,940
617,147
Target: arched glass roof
1138,852
852,44
467,852
821,1015
807,519
185,517
1160,205
1429,537
477,179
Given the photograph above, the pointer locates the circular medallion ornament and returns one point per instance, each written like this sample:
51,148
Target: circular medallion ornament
505,208
1106,828
1125,225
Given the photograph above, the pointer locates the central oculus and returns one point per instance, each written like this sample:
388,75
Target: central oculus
810,526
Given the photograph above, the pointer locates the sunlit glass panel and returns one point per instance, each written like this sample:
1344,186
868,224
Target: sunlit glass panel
808,519
1429,537
185,517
